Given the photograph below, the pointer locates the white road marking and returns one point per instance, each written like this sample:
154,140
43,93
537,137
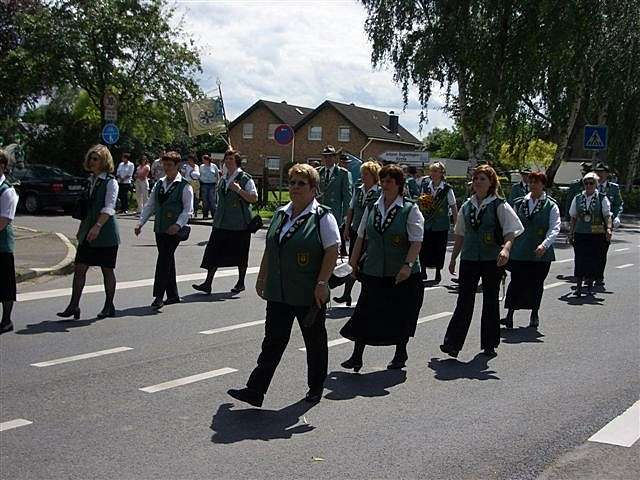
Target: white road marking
64,292
621,249
81,357
187,380
624,430
331,343
554,285
18,422
232,327
566,260
428,289
626,265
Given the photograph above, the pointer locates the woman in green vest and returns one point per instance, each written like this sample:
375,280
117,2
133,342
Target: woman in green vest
590,233
98,236
484,233
300,255
365,196
435,201
532,252
8,204
392,292
229,241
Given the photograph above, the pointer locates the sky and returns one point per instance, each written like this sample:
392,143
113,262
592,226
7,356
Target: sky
303,52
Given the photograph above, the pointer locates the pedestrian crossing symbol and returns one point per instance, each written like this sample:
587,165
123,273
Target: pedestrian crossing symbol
595,137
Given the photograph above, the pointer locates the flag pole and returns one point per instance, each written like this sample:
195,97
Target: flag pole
224,114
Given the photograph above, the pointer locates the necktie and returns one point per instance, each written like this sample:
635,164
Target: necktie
327,175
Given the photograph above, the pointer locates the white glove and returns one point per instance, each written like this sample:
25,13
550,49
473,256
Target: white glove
616,222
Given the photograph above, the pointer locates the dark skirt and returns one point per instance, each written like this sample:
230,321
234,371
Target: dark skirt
97,256
7,277
226,248
590,250
526,285
434,248
386,314
353,235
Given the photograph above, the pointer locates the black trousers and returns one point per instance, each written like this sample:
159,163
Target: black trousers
165,277
123,195
470,274
603,260
277,331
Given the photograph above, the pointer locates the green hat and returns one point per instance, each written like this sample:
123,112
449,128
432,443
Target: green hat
601,167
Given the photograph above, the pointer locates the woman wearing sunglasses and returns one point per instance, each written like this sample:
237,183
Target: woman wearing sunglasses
300,255
591,221
98,236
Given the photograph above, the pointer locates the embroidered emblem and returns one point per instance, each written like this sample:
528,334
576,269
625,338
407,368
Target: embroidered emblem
303,258
169,215
541,231
487,238
396,240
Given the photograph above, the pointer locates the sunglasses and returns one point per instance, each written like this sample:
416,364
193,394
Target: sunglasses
297,183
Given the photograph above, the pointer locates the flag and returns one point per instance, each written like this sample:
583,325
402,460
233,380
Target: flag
204,116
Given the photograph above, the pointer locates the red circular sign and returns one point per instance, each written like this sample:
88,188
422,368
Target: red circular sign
283,134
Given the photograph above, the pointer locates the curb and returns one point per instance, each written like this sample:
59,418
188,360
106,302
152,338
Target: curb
61,268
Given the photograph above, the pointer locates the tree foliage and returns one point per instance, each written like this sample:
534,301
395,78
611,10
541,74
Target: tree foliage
445,143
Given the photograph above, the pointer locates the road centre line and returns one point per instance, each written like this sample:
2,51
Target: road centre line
18,422
625,265
621,249
232,327
624,430
187,380
64,292
81,357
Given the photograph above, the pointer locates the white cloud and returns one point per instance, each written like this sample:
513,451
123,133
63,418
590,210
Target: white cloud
303,52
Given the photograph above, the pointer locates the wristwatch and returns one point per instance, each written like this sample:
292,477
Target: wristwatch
409,264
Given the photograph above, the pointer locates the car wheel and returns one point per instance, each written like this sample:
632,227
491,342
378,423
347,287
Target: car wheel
32,204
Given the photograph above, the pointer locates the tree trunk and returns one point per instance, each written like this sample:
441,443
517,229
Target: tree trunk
633,163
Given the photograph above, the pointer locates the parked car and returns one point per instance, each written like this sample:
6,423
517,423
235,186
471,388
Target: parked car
45,186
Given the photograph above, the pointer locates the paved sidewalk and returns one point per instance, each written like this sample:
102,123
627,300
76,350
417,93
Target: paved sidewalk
41,253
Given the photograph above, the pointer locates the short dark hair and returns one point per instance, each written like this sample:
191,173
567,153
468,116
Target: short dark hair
412,170
126,155
173,156
236,156
395,172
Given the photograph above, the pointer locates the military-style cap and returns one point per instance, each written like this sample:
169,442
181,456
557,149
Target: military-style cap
601,167
329,150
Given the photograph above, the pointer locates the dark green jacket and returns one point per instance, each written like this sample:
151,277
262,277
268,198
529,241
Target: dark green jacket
109,235
232,212
168,204
517,191
484,241
536,226
336,193
612,191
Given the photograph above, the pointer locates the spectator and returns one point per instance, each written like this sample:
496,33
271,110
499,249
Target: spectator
124,174
191,173
209,176
142,182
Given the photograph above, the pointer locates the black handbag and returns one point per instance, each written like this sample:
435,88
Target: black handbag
255,224
183,233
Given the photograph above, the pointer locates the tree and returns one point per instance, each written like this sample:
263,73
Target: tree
445,143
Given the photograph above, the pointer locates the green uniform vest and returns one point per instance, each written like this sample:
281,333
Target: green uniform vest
168,204
517,191
412,189
232,212
293,264
388,242
109,235
438,219
536,227
484,242
7,235
590,221
615,197
362,202
336,193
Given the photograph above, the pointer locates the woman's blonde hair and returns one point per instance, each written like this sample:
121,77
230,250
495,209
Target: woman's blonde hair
103,153
491,174
372,168
306,171
440,166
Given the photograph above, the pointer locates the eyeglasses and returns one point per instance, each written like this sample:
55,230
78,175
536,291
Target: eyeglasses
590,183
297,183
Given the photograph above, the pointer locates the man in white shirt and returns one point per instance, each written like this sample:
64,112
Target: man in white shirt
124,174
8,204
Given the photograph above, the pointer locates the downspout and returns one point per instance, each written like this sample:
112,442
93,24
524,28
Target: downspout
364,148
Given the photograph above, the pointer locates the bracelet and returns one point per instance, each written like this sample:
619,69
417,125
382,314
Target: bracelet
321,282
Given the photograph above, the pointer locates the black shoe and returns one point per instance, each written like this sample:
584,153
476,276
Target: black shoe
238,289
107,312
313,396
6,327
157,303
202,288
343,299
247,395
172,300
396,364
600,282
70,312
352,363
438,278
449,351
489,352
507,321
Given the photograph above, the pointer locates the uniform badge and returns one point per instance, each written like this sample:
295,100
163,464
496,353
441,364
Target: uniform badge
169,215
587,218
541,231
396,240
303,259
487,238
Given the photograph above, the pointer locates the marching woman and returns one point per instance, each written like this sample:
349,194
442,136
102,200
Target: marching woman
591,223
365,196
484,233
435,201
229,241
392,292
300,255
532,252
98,236
8,205
171,201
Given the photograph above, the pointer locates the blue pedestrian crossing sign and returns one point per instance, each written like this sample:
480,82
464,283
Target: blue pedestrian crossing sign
110,133
595,137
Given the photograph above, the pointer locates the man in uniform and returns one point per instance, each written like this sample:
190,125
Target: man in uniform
521,188
8,204
612,191
336,188
575,188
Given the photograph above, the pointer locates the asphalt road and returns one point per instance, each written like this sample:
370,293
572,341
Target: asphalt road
525,414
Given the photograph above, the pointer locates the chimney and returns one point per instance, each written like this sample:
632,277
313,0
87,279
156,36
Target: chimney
393,122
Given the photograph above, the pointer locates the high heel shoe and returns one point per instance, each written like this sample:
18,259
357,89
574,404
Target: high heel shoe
352,363
107,312
343,299
70,312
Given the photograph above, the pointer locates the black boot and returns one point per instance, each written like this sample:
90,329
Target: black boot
438,278
534,320
578,291
400,358
508,320
355,361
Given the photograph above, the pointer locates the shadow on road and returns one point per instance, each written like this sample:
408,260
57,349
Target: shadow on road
212,297
521,335
340,312
59,326
346,386
570,299
231,426
452,369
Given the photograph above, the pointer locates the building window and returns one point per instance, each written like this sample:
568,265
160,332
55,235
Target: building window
315,133
247,130
344,134
273,163
271,130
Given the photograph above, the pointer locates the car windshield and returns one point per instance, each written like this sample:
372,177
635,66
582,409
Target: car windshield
44,172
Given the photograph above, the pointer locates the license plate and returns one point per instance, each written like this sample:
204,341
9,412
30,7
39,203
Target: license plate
75,187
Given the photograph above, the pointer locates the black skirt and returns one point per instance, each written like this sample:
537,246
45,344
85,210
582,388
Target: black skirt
7,277
226,248
526,285
97,256
353,235
590,250
434,248
386,314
